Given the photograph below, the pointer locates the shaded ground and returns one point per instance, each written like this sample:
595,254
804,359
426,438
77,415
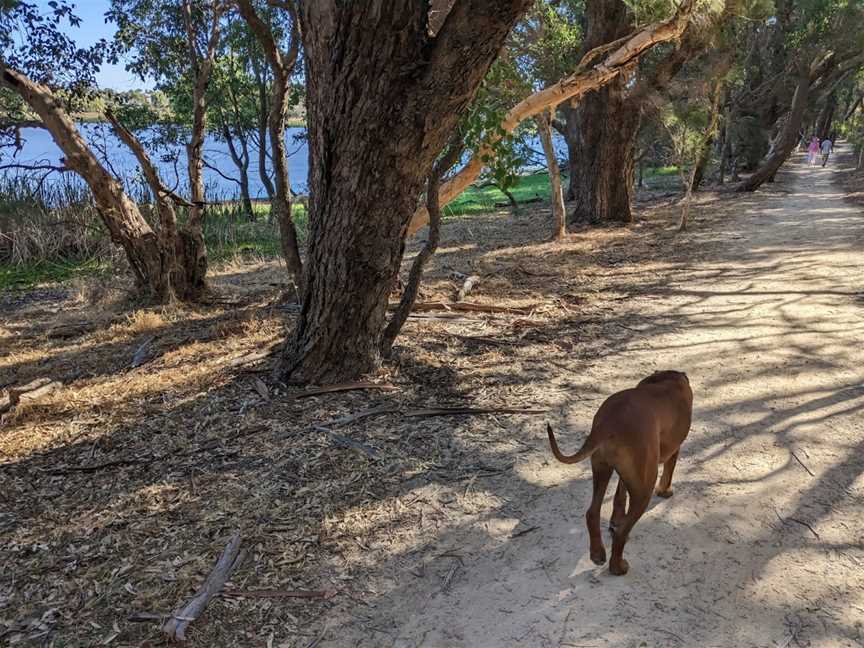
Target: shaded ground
118,492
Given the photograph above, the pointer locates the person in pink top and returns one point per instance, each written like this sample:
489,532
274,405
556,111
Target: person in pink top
813,151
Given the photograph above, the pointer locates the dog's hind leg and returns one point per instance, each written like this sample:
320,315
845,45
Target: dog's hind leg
640,491
665,487
602,473
619,506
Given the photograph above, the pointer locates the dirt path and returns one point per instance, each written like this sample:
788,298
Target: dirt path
762,543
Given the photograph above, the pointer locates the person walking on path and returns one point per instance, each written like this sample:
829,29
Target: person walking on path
812,151
827,146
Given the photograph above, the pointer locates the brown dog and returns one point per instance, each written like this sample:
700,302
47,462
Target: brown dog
633,431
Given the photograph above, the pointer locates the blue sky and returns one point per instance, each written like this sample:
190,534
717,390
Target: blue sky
92,28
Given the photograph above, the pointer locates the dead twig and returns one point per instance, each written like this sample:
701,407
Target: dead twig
348,442
345,420
344,387
484,340
803,465
470,411
276,593
523,531
175,627
470,307
448,579
797,521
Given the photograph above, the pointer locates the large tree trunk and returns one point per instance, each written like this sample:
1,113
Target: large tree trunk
603,190
178,247
118,212
559,216
282,65
606,125
376,126
786,139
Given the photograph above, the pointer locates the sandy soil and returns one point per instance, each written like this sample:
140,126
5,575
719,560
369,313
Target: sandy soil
119,490
761,544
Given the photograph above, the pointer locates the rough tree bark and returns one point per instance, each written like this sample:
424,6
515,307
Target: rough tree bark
596,69
118,212
559,215
788,136
178,247
282,66
384,94
605,124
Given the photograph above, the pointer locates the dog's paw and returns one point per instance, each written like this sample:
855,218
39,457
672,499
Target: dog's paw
619,568
598,556
665,494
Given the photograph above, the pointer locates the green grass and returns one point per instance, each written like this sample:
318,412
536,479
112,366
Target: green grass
229,234
27,276
482,200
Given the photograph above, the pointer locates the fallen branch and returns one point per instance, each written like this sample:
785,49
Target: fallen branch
471,307
304,594
141,354
797,521
348,442
471,411
345,420
344,387
803,465
467,286
210,445
175,627
523,531
32,391
251,357
484,340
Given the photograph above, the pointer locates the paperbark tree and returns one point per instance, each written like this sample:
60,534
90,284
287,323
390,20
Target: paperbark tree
202,59
559,214
152,258
385,90
282,66
163,261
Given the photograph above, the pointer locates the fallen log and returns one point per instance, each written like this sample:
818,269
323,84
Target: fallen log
30,392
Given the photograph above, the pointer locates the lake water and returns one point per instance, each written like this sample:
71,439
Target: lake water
40,148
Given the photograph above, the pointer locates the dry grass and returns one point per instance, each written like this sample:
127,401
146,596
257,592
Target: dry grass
119,491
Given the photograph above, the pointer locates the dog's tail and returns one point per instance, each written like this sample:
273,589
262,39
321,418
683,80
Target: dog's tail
588,448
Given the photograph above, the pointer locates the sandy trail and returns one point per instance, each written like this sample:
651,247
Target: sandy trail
753,549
